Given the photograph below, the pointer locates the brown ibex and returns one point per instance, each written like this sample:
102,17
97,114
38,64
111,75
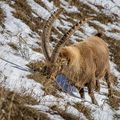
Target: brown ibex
87,61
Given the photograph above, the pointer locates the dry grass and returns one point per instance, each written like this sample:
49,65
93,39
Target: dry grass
36,66
13,46
56,2
40,2
116,92
87,11
1,16
85,110
114,102
39,50
113,79
13,107
114,30
24,12
114,49
41,77
116,117
97,27
64,114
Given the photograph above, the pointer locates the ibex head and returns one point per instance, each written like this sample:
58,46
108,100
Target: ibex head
52,57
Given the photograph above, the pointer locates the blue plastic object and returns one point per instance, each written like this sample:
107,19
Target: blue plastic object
62,82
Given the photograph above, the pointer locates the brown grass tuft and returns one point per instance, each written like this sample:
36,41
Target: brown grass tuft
114,49
36,66
39,76
1,16
14,107
113,79
39,50
12,45
25,13
116,92
40,2
85,110
116,117
114,101
64,114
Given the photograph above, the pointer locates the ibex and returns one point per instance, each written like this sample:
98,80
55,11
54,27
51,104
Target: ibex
87,61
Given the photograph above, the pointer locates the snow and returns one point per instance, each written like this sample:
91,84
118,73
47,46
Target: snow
13,69
88,30
70,109
113,35
108,5
68,7
91,5
49,5
39,10
16,73
108,28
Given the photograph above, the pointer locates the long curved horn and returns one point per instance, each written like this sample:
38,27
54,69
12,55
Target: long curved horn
47,32
66,36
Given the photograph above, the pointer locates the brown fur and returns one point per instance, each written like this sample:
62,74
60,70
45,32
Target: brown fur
88,61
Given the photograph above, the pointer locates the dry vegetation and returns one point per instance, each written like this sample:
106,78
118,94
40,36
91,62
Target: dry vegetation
43,78
39,50
13,106
114,101
1,16
40,2
115,50
24,12
13,46
116,117
85,110
64,114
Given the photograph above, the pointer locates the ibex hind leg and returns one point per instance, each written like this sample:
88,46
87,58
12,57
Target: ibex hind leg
107,78
97,87
91,93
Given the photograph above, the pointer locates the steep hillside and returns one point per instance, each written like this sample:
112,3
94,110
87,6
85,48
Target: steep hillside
25,91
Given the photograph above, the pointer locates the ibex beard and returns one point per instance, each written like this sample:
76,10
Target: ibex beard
87,63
